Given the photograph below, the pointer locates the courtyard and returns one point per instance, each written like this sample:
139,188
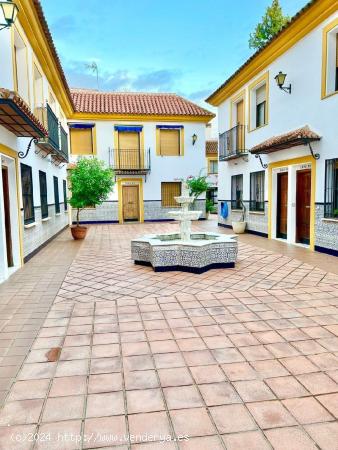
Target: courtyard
97,352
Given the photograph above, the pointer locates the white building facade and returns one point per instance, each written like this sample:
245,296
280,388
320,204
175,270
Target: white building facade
278,144
151,148
33,141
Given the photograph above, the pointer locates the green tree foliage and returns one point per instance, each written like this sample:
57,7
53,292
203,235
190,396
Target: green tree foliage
272,22
90,184
197,185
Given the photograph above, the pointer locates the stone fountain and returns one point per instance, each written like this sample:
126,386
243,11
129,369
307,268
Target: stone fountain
186,251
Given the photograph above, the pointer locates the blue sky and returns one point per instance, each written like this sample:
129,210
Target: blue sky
185,46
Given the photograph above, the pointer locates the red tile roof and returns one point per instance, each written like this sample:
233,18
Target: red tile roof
287,140
135,103
211,147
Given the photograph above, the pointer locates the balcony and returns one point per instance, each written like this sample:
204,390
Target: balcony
56,142
232,143
130,161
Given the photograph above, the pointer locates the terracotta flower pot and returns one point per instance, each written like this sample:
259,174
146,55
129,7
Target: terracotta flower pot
78,232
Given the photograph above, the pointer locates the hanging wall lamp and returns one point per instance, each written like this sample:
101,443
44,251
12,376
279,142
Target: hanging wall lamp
280,79
9,11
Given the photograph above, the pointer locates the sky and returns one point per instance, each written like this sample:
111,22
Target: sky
185,46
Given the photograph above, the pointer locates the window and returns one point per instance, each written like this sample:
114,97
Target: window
260,106
27,194
43,194
170,190
65,194
257,191
213,166
56,195
169,141
236,191
20,68
129,154
38,95
81,141
211,194
330,59
331,188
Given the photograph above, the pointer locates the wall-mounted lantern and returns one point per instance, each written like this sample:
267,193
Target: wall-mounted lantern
194,139
9,11
280,79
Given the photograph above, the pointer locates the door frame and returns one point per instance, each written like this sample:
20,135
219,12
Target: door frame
134,188
291,166
278,197
9,158
138,182
298,173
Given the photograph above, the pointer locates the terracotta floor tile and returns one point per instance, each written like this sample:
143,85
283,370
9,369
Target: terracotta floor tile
30,389
253,390
325,361
202,443
22,412
72,368
37,371
239,371
105,382
105,431
199,357
63,408
105,404
299,365
140,379
292,438
232,418
330,401
271,414
64,386
168,360
253,440
141,362
199,423
147,400
207,374
282,350
227,355
286,387
179,376
105,365
324,434
11,436
243,339
268,337
191,344
135,348
269,368
307,410
154,424
182,397
255,353
105,351
318,383
219,394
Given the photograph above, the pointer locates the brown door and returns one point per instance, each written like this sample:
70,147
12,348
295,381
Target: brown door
282,205
7,209
303,206
130,199
240,123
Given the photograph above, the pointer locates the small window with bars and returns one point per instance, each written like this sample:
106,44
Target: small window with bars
257,191
56,195
27,194
331,188
170,190
65,195
236,191
43,194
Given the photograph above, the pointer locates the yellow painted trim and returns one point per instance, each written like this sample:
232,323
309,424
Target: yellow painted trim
326,31
13,154
235,99
120,182
251,87
209,159
289,162
30,23
140,117
15,71
116,141
158,147
94,140
307,21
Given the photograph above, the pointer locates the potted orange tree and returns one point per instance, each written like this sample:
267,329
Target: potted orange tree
90,183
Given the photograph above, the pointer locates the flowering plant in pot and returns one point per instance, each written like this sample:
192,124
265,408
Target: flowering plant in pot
239,225
90,183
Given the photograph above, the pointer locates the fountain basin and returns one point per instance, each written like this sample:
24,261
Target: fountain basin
203,251
186,215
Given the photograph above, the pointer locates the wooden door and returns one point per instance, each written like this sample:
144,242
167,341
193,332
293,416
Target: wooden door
7,210
240,124
282,205
303,206
130,199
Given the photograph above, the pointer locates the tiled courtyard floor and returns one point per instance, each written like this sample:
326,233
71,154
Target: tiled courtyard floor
243,358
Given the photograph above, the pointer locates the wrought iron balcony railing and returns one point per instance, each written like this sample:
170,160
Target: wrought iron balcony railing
56,142
130,160
232,143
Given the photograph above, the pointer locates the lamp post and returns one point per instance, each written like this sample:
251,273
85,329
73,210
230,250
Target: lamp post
9,12
280,79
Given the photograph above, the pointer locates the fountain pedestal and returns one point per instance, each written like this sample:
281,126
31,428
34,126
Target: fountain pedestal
185,251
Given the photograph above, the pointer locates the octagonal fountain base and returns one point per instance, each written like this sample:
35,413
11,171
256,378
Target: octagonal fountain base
203,251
